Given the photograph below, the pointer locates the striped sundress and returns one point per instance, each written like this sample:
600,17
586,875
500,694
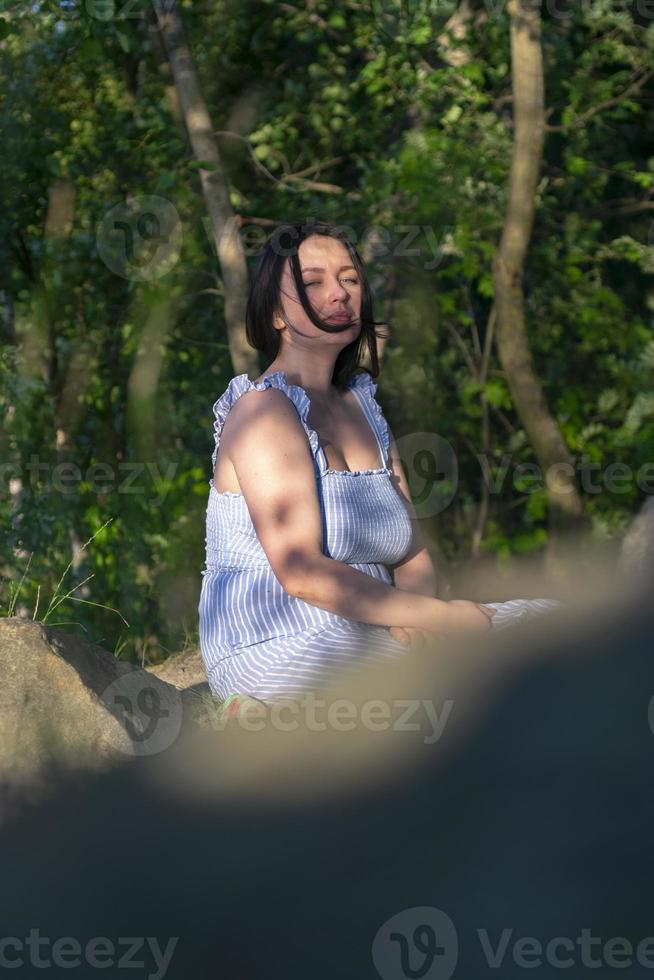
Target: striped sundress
255,638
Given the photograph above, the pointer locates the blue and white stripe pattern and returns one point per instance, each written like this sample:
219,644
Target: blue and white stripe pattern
515,611
255,638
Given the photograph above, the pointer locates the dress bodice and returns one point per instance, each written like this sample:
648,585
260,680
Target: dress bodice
365,523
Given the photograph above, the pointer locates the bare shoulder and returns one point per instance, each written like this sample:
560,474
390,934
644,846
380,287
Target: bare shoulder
272,462
261,414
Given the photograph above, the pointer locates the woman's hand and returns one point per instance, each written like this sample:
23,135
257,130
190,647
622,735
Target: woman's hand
469,617
409,635
464,617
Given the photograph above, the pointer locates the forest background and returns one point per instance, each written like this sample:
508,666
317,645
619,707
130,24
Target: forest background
492,161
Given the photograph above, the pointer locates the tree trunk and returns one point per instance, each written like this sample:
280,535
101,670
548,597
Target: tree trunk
145,375
166,72
555,460
67,380
215,186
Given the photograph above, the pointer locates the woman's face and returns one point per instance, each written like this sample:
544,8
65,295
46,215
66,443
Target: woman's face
332,287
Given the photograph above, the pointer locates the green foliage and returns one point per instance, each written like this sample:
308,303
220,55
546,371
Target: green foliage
339,96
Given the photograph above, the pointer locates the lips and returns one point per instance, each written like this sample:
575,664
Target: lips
339,317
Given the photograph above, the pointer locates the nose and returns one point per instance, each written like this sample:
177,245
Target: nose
337,290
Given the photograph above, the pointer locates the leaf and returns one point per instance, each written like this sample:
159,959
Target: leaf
641,408
497,393
576,165
589,432
537,504
609,398
165,182
91,49
530,541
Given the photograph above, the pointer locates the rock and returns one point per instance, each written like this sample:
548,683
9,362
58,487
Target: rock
183,670
365,851
65,701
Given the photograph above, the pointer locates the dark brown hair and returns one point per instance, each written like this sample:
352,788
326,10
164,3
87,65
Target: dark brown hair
264,298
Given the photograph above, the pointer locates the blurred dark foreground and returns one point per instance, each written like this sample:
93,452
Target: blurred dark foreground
506,829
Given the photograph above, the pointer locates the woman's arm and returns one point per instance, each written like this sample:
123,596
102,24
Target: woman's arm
272,460
416,574
416,571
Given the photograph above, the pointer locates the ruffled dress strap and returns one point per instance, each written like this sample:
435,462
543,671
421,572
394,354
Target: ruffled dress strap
240,384
363,384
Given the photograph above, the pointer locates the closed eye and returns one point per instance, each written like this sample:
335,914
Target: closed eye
316,283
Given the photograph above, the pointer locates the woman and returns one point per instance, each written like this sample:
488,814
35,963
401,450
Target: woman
314,556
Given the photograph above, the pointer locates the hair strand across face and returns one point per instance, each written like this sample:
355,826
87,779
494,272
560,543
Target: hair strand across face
264,299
